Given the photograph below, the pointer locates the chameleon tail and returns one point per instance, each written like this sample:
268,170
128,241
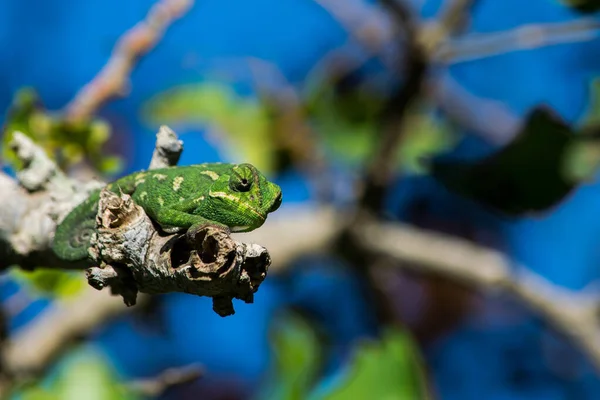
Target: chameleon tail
74,233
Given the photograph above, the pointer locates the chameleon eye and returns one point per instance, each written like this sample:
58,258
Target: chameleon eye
242,177
240,184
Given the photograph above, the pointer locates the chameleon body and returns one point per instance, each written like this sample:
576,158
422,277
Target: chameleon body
234,197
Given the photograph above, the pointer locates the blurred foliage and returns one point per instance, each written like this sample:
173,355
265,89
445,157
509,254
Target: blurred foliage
389,368
66,142
584,6
297,359
347,115
527,175
583,158
242,120
86,375
50,283
346,120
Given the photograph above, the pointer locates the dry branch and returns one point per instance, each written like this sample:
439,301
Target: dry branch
32,348
156,386
113,79
129,253
132,256
575,314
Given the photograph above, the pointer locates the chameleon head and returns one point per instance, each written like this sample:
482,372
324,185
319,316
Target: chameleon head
242,198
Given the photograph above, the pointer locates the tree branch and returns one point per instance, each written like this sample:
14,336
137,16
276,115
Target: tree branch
575,314
29,351
156,386
112,80
129,254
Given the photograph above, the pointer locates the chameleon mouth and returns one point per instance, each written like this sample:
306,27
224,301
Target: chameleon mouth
276,204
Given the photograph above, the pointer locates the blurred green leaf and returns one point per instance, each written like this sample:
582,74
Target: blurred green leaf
584,6
390,369
582,160
38,394
583,155
243,121
348,121
423,135
347,137
297,359
84,375
527,175
66,142
50,282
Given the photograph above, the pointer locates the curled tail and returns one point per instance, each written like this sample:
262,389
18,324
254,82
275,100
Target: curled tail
74,233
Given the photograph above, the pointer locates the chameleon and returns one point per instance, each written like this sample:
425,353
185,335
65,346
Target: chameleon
233,197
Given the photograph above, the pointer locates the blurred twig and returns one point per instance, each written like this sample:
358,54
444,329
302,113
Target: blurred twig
30,350
438,38
169,378
575,314
33,347
419,43
380,167
112,80
291,128
482,45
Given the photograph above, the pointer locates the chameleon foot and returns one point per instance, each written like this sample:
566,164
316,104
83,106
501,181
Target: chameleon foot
197,233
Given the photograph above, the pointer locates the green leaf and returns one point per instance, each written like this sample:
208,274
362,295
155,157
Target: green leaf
423,135
111,165
390,369
89,378
86,374
583,156
584,6
525,176
50,282
348,122
243,121
296,359
66,142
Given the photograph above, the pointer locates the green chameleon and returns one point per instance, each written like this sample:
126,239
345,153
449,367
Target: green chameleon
233,197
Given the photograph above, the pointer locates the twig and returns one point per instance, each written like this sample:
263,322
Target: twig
31,349
525,37
380,167
167,150
156,386
132,256
575,314
28,211
113,79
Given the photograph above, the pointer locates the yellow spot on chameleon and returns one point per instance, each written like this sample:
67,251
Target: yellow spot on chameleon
199,199
211,174
177,183
181,199
160,177
161,201
233,199
223,195
144,196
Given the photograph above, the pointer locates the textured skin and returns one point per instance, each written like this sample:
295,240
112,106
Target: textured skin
236,197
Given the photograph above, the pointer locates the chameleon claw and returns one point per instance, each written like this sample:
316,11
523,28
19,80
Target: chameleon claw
192,233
